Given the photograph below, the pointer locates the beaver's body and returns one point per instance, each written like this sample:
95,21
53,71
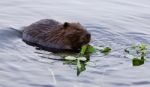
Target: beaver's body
50,34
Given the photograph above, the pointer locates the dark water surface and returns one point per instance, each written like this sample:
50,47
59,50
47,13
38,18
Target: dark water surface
113,23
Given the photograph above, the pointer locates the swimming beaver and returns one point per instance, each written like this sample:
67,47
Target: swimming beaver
53,36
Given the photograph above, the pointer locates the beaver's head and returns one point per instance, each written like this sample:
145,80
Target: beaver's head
76,34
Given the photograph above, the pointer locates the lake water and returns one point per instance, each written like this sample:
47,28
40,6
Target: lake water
114,23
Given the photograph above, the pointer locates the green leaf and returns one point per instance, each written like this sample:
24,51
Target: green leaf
80,67
90,49
78,64
70,58
137,62
105,50
82,58
142,46
83,49
87,49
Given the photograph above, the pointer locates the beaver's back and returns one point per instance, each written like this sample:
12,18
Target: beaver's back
38,29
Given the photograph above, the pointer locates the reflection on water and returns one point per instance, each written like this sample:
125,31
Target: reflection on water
113,23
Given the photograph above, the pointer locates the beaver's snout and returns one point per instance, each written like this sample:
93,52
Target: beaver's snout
88,36
85,39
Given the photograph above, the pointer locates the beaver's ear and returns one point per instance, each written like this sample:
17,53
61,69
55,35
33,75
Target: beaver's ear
66,24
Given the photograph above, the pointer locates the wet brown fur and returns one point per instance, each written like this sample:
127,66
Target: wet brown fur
52,34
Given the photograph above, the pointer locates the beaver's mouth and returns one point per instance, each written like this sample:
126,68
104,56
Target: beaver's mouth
84,43
85,40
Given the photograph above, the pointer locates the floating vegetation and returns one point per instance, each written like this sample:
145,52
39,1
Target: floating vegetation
105,50
83,57
138,61
138,54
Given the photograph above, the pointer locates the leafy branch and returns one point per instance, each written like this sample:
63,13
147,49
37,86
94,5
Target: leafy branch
84,57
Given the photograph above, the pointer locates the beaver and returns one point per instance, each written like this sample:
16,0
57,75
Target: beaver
51,35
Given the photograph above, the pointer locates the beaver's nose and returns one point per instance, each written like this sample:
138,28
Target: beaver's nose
88,35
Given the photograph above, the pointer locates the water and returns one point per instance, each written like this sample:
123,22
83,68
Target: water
113,23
